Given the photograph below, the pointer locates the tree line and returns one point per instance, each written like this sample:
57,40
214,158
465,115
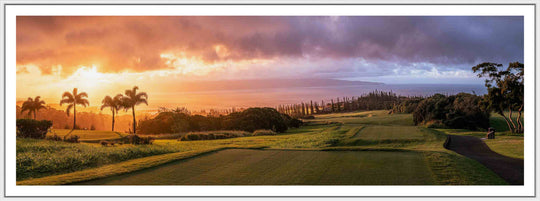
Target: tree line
375,100
126,101
251,119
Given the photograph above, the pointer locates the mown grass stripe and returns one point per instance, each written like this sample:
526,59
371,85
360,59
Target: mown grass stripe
118,168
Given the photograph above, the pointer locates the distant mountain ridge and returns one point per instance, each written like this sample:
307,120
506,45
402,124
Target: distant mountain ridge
265,84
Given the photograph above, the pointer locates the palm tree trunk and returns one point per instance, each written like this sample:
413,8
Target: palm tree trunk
134,122
35,115
74,115
113,120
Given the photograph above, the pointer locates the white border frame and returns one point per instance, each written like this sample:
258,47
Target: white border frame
527,11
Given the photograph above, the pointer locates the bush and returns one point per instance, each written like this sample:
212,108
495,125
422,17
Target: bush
264,132
30,128
92,127
458,111
214,135
72,139
137,140
54,138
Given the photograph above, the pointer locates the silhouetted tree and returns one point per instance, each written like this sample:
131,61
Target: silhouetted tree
505,90
133,99
114,103
74,99
33,105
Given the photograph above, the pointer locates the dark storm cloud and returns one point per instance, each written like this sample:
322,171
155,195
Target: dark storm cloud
136,43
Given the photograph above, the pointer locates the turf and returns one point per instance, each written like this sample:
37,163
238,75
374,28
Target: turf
378,133
88,135
257,167
44,162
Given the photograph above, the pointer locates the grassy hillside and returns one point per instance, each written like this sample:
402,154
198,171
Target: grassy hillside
374,141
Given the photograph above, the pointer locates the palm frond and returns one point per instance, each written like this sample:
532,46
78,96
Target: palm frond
142,101
142,94
66,101
107,100
83,102
69,109
67,95
128,93
82,95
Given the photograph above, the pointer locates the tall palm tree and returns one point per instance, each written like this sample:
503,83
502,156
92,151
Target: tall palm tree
74,99
33,105
114,103
133,99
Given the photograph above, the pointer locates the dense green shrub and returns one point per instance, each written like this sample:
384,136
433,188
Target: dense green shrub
30,128
248,120
462,110
407,106
264,132
214,135
137,140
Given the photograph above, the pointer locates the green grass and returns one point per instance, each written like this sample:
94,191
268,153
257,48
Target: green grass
88,135
380,133
277,167
392,139
378,117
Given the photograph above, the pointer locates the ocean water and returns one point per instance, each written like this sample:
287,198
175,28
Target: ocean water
223,99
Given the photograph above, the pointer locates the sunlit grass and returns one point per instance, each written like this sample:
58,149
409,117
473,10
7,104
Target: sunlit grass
88,134
38,158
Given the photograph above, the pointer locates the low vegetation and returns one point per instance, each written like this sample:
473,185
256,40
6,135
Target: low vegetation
214,135
248,120
47,162
30,128
457,111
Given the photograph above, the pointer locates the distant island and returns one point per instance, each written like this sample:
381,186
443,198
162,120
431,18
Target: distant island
190,86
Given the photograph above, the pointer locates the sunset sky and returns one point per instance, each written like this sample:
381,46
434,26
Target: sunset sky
105,55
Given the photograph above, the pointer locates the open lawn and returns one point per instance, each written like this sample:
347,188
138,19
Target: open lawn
276,167
334,151
381,133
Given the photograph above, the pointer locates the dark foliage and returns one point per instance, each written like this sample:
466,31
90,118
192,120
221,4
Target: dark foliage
505,91
72,139
214,135
54,138
248,120
457,111
137,140
30,128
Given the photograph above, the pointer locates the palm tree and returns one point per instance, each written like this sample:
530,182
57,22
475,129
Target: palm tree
33,105
132,99
74,99
114,103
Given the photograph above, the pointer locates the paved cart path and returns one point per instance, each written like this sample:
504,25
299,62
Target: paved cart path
510,169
